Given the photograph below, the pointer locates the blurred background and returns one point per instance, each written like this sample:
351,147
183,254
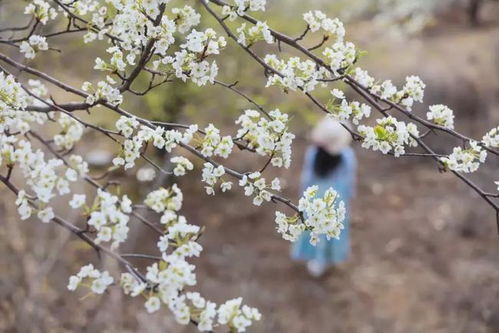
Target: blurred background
425,254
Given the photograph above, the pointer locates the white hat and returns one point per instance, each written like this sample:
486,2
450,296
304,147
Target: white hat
331,136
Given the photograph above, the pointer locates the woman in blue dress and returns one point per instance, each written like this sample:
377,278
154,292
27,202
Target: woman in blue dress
329,162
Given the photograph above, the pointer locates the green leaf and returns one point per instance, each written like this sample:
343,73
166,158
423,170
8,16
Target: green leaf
380,132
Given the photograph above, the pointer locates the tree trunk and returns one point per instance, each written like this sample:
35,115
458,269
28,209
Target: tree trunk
474,12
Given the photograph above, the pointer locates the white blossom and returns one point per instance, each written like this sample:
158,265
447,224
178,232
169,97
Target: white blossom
146,174
109,218
441,115
163,199
186,18
242,6
353,111
363,77
491,139
97,280
46,215
182,164
331,27
465,160
323,216
210,176
413,91
230,313
77,201
389,135
100,284
34,44
104,91
249,36
295,73
71,132
41,10
269,137
153,304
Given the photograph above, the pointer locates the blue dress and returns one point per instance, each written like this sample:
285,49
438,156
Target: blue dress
341,179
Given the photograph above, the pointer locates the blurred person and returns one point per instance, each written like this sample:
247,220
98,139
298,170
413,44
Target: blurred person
329,162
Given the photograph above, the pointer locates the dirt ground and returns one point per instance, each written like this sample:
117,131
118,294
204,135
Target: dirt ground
425,254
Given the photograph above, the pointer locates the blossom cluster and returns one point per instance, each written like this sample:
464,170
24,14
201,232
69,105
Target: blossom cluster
491,138
108,215
295,73
137,135
363,78
104,91
234,315
268,137
165,201
240,7
322,216
185,65
185,18
37,88
13,114
211,175
45,178
204,42
318,20
23,204
354,111
340,56
255,185
34,44
465,160
389,134
116,63
43,175
91,278
133,27
190,61
411,92
253,34
441,115
146,174
182,165
41,10
71,132
214,144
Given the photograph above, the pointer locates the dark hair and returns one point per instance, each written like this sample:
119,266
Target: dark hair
325,162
